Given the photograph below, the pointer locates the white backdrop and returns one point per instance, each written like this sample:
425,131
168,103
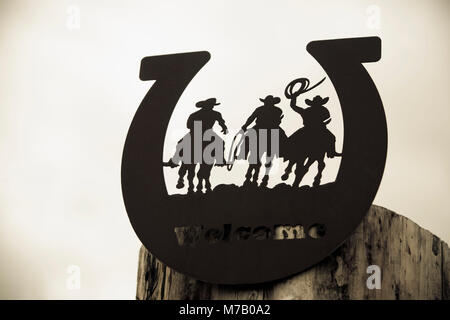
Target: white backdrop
69,88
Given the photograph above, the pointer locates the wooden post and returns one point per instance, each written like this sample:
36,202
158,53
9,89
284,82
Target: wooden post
414,263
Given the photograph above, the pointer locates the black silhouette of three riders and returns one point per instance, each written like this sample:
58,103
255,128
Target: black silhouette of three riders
307,145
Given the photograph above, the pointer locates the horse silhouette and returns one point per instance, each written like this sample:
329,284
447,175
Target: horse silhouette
267,123
310,143
205,119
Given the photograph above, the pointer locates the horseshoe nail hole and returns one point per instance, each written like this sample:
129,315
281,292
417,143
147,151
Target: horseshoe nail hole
317,231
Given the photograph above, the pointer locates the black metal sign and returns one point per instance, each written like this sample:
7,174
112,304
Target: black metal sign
251,233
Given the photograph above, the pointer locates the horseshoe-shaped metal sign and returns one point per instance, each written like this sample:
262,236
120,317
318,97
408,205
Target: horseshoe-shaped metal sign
243,251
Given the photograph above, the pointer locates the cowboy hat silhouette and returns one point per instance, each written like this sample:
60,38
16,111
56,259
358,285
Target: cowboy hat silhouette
270,100
211,102
317,101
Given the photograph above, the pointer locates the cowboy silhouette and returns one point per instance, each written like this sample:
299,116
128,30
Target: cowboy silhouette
267,118
311,142
199,123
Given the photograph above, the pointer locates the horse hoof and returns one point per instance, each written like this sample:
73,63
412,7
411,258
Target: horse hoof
264,182
180,185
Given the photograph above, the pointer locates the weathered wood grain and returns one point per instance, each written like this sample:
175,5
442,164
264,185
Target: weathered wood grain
445,271
414,263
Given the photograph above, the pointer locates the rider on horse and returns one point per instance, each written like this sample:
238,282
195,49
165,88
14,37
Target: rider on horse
267,119
315,120
312,139
202,120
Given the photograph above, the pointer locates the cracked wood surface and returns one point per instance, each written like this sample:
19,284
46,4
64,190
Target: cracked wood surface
415,264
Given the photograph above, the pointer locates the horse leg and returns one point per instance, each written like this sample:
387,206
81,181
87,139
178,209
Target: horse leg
256,172
181,173
268,166
300,172
287,171
200,177
318,177
208,169
190,176
248,175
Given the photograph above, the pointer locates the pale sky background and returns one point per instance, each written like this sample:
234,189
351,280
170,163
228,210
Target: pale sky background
69,91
